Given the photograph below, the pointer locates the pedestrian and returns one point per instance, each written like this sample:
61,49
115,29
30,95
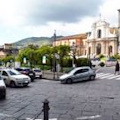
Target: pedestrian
117,68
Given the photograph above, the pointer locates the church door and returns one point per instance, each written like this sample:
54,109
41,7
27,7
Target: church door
98,49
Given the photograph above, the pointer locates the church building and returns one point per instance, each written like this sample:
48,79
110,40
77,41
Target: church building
102,39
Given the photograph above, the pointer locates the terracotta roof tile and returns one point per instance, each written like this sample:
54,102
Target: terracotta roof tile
84,36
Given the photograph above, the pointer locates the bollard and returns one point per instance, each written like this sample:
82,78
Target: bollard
46,109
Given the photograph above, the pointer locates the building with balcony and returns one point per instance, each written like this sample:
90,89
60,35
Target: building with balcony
78,41
8,49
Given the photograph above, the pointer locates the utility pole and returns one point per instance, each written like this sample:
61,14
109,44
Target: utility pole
118,30
54,59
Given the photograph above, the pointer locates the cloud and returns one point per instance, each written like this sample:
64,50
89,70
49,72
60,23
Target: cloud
64,11
39,12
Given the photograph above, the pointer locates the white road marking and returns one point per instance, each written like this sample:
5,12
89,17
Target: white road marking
116,76
107,76
88,117
40,119
2,114
102,74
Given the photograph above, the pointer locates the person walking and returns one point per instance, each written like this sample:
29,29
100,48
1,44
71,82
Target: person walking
117,68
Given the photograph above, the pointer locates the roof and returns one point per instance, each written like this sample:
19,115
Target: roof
2,53
83,36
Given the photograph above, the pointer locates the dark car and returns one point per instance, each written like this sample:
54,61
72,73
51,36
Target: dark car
2,88
27,71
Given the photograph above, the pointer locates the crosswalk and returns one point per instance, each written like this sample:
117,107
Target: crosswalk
108,76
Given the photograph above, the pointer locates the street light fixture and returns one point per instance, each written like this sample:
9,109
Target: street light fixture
54,59
118,45
73,48
89,49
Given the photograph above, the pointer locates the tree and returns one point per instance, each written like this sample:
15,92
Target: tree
63,51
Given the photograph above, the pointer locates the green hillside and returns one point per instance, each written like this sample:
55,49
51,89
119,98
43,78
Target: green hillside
35,40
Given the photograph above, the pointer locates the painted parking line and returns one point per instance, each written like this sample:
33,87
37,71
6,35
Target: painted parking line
88,117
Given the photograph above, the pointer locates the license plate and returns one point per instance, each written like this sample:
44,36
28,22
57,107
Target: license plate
30,74
26,81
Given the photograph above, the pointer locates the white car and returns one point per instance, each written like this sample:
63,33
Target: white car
14,78
38,73
2,88
95,62
111,62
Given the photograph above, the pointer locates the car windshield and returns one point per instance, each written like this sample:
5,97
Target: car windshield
95,59
26,69
13,72
37,70
72,71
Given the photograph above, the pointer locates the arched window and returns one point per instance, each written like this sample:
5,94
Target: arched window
99,33
98,49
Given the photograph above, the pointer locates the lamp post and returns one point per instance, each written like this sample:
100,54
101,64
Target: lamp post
89,49
73,48
118,45
54,59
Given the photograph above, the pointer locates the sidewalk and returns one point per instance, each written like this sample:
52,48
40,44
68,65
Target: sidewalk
51,75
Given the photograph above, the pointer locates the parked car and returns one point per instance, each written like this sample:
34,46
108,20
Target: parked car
14,78
27,71
2,88
78,74
111,62
38,73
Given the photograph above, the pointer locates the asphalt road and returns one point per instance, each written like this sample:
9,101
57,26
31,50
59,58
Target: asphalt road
90,100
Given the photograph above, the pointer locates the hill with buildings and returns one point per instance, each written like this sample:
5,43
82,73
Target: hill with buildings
35,40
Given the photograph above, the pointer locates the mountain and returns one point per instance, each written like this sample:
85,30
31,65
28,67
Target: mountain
35,40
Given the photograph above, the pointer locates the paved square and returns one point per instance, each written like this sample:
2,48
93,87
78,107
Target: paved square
90,100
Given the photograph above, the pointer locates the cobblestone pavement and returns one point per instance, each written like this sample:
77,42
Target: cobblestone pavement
91,100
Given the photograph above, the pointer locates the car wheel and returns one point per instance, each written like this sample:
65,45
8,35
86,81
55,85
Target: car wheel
69,81
32,79
12,84
40,77
4,96
92,77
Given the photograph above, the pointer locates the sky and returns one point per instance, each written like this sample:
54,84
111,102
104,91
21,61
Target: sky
21,19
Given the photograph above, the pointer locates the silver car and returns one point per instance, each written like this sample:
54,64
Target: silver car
14,78
2,88
78,74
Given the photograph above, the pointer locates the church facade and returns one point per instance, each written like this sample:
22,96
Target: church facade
102,39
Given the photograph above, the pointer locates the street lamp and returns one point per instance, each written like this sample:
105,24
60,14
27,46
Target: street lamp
54,59
73,48
118,45
89,49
